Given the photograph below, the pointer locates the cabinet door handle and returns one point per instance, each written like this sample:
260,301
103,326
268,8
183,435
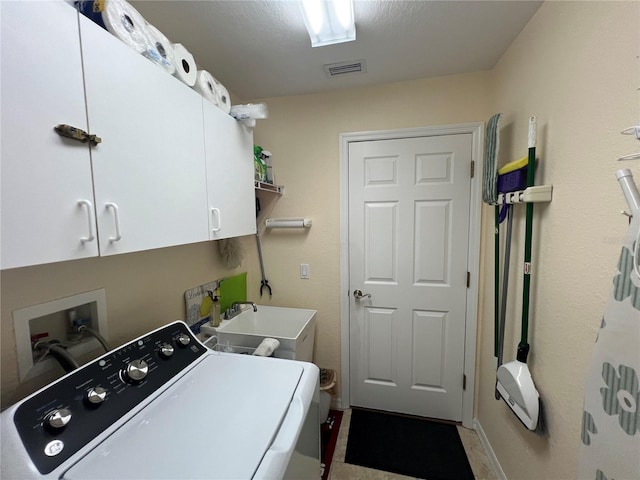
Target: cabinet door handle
77,134
89,208
215,213
116,219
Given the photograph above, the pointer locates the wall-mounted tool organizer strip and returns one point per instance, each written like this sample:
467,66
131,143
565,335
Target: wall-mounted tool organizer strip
535,194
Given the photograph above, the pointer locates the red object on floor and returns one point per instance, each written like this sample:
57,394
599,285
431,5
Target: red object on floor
329,437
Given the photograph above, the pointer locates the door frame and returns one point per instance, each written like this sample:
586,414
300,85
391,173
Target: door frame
473,254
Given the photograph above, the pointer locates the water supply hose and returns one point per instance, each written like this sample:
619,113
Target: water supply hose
59,352
96,335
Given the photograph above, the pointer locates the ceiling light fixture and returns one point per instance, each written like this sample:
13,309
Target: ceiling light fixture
329,21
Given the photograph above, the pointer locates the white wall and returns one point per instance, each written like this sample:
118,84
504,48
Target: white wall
303,134
575,66
144,291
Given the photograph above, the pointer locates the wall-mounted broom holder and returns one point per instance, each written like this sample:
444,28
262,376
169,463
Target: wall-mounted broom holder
535,194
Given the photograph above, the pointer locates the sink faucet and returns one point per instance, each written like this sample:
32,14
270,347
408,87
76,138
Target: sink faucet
234,304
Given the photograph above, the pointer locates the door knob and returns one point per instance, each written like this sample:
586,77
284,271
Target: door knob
357,294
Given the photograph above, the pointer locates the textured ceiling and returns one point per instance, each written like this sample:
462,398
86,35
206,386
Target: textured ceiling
260,48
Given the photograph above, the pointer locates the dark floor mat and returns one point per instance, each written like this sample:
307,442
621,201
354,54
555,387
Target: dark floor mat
407,445
328,439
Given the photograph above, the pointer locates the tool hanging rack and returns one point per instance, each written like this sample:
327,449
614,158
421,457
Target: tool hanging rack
543,193
535,194
635,130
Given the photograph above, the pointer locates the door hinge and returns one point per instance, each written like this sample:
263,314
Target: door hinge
464,381
473,168
468,279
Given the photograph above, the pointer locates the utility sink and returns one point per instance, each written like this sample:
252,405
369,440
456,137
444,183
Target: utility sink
294,328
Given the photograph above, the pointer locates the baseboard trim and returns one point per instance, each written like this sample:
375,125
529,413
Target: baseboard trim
336,403
495,464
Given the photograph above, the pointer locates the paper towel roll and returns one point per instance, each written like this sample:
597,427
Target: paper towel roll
224,100
164,48
92,9
288,222
186,69
125,22
206,86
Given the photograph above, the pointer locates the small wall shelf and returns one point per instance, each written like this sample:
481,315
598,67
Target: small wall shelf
535,194
269,187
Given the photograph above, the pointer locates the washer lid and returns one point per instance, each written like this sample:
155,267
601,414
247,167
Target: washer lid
215,422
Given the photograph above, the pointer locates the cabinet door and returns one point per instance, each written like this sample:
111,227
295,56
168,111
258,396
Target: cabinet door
229,152
44,176
149,170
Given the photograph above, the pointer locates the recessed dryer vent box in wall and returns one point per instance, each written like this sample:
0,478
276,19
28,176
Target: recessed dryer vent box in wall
52,318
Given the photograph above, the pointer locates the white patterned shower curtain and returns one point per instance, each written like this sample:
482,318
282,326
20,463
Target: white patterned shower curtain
610,443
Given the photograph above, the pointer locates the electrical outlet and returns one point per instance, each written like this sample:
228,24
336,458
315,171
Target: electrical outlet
305,271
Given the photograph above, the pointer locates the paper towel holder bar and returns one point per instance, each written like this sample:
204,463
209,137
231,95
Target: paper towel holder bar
288,223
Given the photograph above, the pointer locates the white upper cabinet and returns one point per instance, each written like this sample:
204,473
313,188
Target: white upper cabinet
149,170
147,185
43,176
229,153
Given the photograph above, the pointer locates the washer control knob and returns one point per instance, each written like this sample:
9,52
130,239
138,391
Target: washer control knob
58,418
166,350
184,340
136,370
96,395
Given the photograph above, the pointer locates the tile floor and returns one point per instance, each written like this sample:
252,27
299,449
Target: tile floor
340,470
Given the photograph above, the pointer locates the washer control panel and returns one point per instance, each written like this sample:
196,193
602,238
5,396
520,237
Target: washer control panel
58,421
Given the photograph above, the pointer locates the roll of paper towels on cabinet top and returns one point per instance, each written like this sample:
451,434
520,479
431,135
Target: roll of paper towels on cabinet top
206,86
224,101
92,9
164,48
125,22
186,69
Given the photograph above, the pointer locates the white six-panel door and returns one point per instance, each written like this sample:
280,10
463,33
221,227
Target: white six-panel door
408,241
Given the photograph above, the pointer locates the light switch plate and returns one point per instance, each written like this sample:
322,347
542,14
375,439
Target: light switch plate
305,271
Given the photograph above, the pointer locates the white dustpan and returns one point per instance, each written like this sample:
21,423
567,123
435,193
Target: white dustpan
516,387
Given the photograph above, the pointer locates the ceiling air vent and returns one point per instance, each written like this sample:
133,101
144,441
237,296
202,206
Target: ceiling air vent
345,68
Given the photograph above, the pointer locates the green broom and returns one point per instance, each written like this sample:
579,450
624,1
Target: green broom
515,384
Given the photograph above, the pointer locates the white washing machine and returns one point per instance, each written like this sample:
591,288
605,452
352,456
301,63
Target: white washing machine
164,406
